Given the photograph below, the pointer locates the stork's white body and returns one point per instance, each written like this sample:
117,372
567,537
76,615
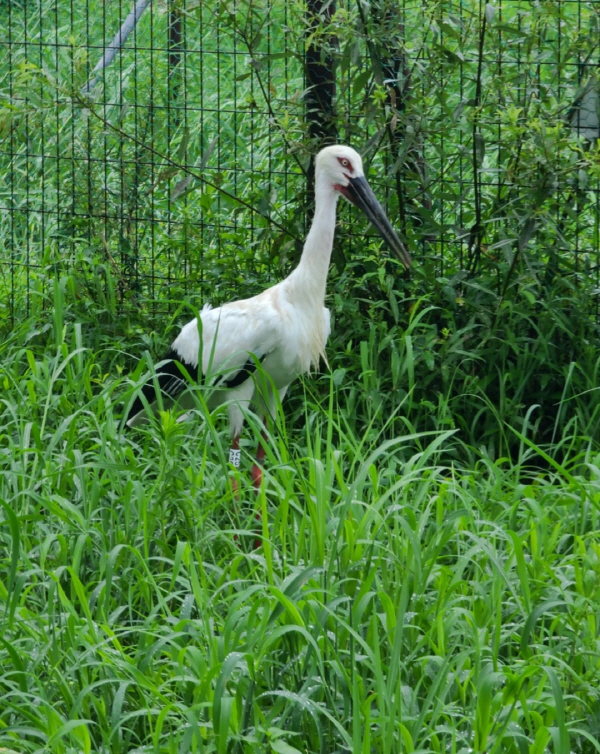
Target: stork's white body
286,326
287,334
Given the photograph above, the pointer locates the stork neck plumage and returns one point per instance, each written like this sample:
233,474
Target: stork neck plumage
309,279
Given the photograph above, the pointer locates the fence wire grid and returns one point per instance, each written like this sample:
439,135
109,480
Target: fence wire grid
182,168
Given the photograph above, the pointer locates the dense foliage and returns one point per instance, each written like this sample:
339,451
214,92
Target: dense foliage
409,594
429,573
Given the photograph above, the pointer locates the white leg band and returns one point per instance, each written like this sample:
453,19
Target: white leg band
234,457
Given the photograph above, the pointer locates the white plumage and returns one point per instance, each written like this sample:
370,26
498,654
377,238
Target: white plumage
285,326
289,339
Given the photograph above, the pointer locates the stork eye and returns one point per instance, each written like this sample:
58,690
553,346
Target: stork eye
345,163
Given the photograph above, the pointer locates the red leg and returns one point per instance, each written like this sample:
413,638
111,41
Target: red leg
234,460
260,457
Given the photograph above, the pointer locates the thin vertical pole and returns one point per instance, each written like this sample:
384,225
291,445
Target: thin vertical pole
175,49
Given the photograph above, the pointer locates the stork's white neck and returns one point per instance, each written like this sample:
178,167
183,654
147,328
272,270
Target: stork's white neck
309,279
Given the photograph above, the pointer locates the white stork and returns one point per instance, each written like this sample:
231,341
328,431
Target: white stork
285,327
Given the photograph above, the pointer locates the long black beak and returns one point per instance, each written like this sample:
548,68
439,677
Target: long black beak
360,193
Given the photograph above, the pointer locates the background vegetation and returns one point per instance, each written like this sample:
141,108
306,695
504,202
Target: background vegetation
429,569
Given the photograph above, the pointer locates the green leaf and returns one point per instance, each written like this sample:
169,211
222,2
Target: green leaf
281,747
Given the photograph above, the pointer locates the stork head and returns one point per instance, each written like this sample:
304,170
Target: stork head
340,168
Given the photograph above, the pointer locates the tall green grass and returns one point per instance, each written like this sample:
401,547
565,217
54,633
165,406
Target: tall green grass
417,354
411,591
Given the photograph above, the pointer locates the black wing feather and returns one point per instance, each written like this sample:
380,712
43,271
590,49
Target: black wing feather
243,374
172,383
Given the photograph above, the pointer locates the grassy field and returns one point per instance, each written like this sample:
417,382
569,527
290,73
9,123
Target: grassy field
409,593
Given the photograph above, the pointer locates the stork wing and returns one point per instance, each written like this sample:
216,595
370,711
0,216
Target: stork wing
229,335
232,336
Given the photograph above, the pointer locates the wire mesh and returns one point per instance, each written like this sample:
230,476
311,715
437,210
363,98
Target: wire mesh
104,184
473,137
